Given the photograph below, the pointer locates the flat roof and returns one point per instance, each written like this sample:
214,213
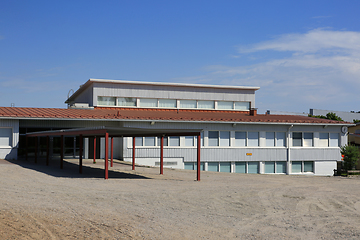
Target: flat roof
93,80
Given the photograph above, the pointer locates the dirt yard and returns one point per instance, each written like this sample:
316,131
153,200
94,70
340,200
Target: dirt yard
45,202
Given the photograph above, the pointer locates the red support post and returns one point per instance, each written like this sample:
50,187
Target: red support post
62,151
162,155
133,160
47,150
198,156
94,150
80,153
36,148
112,151
26,148
106,155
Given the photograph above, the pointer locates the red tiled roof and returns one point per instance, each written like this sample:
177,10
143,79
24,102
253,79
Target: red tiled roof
155,114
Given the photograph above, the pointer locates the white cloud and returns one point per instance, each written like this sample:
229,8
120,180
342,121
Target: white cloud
311,42
321,70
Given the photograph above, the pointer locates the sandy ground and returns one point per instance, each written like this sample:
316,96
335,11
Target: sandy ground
45,202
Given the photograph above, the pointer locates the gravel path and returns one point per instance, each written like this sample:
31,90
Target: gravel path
44,202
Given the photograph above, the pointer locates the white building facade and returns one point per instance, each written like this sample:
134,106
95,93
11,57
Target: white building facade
234,137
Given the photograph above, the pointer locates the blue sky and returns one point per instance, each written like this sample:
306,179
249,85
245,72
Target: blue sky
302,54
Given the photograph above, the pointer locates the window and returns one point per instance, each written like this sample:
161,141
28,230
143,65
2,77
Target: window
275,167
240,167
308,166
189,141
193,166
323,139
165,141
148,102
280,139
107,101
167,103
206,104
225,105
5,137
189,166
224,139
297,139
126,102
187,103
302,167
302,139
138,141
253,139
296,167
202,138
242,105
269,167
253,167
308,139
334,140
174,141
225,167
213,138
213,166
270,139
280,167
149,141
240,139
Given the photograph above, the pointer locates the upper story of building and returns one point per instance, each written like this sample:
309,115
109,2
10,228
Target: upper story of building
99,93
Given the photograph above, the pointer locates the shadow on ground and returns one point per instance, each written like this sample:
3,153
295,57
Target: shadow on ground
71,170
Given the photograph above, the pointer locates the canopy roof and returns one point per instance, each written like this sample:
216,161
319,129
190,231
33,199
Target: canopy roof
118,132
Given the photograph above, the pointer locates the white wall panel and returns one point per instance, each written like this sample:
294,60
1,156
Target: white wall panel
148,91
327,154
325,168
86,96
11,151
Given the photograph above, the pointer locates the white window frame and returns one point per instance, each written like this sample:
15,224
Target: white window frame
302,167
302,140
98,104
136,102
219,139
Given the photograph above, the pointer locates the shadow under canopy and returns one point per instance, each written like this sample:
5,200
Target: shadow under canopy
111,132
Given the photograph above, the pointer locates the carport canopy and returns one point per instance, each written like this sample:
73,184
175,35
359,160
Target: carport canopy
118,132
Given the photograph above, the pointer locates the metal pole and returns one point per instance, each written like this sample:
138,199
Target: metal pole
112,151
80,153
94,149
162,155
62,151
133,161
47,150
198,156
106,155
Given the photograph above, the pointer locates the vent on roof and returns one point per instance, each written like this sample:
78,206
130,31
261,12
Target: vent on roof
253,111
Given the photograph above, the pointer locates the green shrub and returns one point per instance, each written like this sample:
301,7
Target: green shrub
351,156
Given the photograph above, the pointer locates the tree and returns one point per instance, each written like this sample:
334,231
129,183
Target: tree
351,156
356,121
329,115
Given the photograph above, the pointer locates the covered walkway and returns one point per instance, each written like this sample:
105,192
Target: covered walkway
108,132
